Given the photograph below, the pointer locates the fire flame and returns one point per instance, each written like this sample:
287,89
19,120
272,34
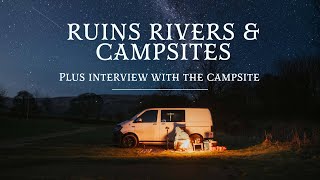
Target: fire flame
185,144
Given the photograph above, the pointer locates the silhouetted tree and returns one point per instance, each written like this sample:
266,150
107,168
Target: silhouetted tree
2,98
301,83
303,73
294,90
24,104
87,105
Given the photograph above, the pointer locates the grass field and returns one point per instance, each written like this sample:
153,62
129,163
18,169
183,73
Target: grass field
20,128
91,155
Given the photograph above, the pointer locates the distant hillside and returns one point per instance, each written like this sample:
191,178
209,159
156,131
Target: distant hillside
113,104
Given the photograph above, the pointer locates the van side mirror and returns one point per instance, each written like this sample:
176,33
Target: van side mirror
138,120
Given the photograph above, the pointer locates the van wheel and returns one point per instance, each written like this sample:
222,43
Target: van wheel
194,137
129,141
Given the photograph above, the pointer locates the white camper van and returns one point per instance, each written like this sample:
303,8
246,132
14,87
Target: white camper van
154,125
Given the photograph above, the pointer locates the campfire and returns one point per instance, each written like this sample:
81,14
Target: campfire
182,140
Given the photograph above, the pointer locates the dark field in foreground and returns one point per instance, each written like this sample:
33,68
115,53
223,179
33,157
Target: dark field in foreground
91,155
113,163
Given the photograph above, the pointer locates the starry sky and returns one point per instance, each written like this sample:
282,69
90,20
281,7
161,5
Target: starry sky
34,46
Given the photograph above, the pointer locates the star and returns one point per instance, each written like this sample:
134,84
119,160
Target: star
33,35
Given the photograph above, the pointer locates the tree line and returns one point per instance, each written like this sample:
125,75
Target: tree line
25,105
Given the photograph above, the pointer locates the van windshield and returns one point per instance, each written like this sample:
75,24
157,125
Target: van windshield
135,116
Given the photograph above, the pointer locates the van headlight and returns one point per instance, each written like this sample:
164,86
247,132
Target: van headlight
117,128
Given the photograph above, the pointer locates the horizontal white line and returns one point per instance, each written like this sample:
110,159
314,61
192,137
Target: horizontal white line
159,89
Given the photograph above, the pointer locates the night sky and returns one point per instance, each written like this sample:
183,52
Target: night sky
34,46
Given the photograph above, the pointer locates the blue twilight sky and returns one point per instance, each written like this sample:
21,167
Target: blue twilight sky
34,46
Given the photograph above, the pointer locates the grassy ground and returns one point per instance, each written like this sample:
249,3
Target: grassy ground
91,155
101,136
14,128
102,161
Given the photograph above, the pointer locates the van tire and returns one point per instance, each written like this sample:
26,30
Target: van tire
196,136
129,141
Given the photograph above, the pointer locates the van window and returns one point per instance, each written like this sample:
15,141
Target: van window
149,116
172,116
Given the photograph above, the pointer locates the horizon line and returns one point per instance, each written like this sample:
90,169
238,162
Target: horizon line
159,89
